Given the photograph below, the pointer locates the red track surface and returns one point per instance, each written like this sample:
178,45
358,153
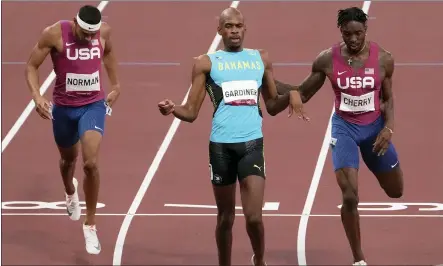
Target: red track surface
136,130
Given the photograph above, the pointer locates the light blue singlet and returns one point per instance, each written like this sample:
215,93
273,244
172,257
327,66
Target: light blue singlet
235,77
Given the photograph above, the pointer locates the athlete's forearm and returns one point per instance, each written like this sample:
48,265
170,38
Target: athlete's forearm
32,80
110,63
389,112
283,88
278,104
184,113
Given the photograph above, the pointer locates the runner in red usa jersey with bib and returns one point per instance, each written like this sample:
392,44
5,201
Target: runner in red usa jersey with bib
77,49
360,72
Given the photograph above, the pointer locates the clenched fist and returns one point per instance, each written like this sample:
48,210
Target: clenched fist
166,107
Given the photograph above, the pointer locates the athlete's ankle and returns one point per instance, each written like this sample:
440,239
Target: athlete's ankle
70,190
89,220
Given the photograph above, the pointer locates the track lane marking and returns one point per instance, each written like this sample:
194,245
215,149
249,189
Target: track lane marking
31,105
118,251
303,225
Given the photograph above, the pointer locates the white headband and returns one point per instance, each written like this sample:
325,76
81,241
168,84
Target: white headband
87,26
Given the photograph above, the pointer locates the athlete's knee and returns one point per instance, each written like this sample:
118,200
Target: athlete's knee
394,192
68,163
253,219
90,167
350,200
347,180
392,183
350,197
68,157
225,220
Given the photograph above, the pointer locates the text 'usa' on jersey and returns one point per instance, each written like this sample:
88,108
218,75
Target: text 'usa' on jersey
357,91
78,70
234,85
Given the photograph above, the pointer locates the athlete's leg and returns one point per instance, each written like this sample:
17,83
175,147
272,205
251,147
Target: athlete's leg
91,130
346,164
66,137
386,167
223,172
67,162
251,174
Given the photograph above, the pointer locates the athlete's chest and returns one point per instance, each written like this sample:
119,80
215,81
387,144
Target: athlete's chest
75,53
238,77
362,77
84,53
244,66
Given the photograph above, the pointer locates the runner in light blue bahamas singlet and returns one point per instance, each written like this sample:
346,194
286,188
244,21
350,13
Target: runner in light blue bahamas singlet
234,85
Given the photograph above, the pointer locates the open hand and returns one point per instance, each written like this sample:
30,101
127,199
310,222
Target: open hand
296,105
166,107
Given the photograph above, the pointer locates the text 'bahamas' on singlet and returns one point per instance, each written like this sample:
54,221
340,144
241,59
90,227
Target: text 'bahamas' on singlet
357,92
234,86
78,70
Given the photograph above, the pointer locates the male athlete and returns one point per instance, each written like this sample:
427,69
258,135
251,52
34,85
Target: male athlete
234,78
78,113
360,72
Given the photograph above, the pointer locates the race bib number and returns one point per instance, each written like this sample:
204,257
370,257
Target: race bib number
363,103
83,82
240,92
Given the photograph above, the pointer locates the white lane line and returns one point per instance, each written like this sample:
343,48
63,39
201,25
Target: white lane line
152,169
237,214
302,228
31,105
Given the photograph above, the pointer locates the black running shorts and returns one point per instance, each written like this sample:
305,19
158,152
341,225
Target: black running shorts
229,161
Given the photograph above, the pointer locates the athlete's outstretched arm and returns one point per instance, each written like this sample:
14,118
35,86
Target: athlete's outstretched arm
274,102
313,82
189,111
110,63
283,88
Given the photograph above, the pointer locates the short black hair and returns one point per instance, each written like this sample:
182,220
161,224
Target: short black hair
351,14
90,14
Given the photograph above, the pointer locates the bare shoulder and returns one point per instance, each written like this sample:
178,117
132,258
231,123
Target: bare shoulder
385,56
51,35
324,57
323,60
202,63
105,30
263,52
264,55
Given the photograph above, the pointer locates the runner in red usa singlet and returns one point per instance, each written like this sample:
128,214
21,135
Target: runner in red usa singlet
78,69
77,49
360,71
356,91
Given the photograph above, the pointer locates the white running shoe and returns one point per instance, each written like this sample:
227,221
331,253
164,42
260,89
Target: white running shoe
362,262
72,203
92,244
